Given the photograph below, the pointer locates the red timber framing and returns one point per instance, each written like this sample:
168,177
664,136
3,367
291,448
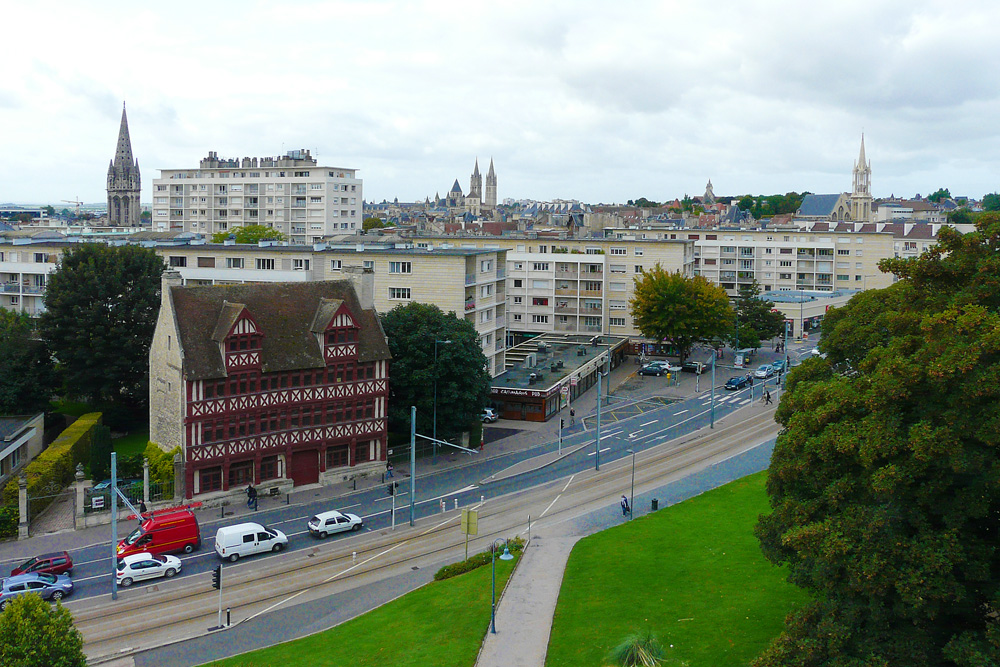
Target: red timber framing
254,426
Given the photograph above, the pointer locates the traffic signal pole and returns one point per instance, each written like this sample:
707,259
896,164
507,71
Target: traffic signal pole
217,583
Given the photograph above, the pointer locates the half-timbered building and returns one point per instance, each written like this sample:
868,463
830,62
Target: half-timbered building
274,384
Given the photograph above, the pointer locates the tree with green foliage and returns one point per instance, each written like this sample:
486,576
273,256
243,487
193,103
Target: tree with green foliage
642,202
960,216
885,482
146,216
372,222
49,210
100,452
463,382
251,234
942,193
101,307
35,634
669,307
27,376
755,318
991,202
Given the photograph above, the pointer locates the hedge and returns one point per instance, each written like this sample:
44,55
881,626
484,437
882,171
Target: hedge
54,467
161,463
516,546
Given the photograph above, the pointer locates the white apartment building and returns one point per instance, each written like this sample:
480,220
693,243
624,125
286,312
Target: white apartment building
292,193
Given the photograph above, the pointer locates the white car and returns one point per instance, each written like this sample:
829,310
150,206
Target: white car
146,566
333,521
489,415
764,371
666,366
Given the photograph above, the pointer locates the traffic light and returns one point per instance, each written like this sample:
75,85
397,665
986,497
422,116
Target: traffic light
391,489
217,577
562,423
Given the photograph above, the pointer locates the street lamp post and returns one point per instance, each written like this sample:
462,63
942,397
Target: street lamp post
435,426
597,444
631,496
504,556
712,411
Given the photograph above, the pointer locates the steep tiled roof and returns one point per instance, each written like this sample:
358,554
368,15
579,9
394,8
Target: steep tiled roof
286,314
921,231
818,205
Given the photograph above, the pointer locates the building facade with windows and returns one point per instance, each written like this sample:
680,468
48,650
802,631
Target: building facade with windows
291,193
270,384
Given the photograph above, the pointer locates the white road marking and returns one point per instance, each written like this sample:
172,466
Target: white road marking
606,449
648,423
678,414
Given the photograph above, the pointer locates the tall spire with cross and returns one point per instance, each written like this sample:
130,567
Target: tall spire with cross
861,193
124,181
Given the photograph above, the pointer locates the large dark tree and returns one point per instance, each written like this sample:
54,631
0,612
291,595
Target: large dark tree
27,378
885,483
756,320
463,383
249,234
101,307
671,307
35,634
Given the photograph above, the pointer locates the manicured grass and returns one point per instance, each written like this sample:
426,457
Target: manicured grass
441,624
692,573
70,408
133,443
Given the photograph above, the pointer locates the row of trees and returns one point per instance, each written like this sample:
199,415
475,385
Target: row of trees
670,307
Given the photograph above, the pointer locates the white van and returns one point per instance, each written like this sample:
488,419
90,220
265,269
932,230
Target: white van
247,539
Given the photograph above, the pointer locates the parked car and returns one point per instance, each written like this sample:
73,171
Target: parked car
764,371
652,369
739,382
162,534
122,483
247,539
50,586
667,366
693,367
333,521
778,365
138,567
489,415
53,563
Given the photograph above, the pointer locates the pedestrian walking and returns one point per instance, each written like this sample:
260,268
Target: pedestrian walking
142,507
572,416
625,508
388,468
251,497
767,398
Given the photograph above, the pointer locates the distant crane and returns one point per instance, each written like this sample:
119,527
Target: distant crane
74,201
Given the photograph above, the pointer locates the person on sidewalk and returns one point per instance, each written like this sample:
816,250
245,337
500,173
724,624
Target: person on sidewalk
388,468
251,497
572,416
767,398
625,508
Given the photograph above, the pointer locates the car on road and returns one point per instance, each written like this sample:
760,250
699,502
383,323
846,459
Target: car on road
667,366
58,562
139,567
247,539
778,365
693,367
333,521
652,369
739,382
764,371
489,415
50,586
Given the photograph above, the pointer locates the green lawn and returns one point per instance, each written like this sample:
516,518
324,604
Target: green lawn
692,573
71,408
133,443
439,625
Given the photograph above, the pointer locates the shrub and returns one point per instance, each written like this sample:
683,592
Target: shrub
100,453
515,544
161,463
639,650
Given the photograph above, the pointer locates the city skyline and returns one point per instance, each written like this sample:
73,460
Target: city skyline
571,100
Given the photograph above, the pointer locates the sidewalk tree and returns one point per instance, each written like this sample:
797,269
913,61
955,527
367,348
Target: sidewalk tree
671,307
27,378
885,482
35,634
755,317
463,383
101,307
249,234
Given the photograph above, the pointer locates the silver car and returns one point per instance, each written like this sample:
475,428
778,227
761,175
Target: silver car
50,586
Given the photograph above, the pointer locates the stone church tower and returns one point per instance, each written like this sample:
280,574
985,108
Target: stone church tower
861,193
490,196
476,183
124,183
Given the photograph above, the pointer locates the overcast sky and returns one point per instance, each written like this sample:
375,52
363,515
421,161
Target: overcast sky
596,101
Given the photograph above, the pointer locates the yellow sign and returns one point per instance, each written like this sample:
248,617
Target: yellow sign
470,522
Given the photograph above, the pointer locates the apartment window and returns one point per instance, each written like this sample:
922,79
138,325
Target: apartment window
399,293
206,262
265,264
859,252
617,321
518,266
784,276
300,264
486,290
637,252
539,301
336,264
540,266
486,315
518,282
517,317
617,268
618,305
842,277
178,261
39,258
518,300
785,262
299,174
842,251
619,251
234,262
368,264
486,265
592,321
400,267
616,287
539,284
638,267
540,319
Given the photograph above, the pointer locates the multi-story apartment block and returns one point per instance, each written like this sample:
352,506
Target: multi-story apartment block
292,194
277,384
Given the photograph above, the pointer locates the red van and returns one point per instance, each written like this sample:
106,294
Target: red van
162,534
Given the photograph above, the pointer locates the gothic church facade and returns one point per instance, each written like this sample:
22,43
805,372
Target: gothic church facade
124,182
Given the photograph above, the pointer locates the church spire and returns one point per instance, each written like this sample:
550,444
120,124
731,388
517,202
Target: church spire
123,153
861,157
124,181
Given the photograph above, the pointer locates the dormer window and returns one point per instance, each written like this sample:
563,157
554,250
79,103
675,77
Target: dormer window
341,336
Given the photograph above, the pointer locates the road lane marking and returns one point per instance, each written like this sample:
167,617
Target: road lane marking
678,414
606,449
648,423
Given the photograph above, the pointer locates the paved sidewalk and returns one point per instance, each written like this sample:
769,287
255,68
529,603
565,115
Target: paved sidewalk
524,620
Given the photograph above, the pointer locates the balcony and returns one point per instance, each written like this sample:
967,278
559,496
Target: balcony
567,291
12,287
470,278
470,305
567,274
567,310
588,292
501,274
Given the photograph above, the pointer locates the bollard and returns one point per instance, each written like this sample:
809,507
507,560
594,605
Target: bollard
482,499
222,511
227,617
354,556
655,504
456,503
443,507
288,498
